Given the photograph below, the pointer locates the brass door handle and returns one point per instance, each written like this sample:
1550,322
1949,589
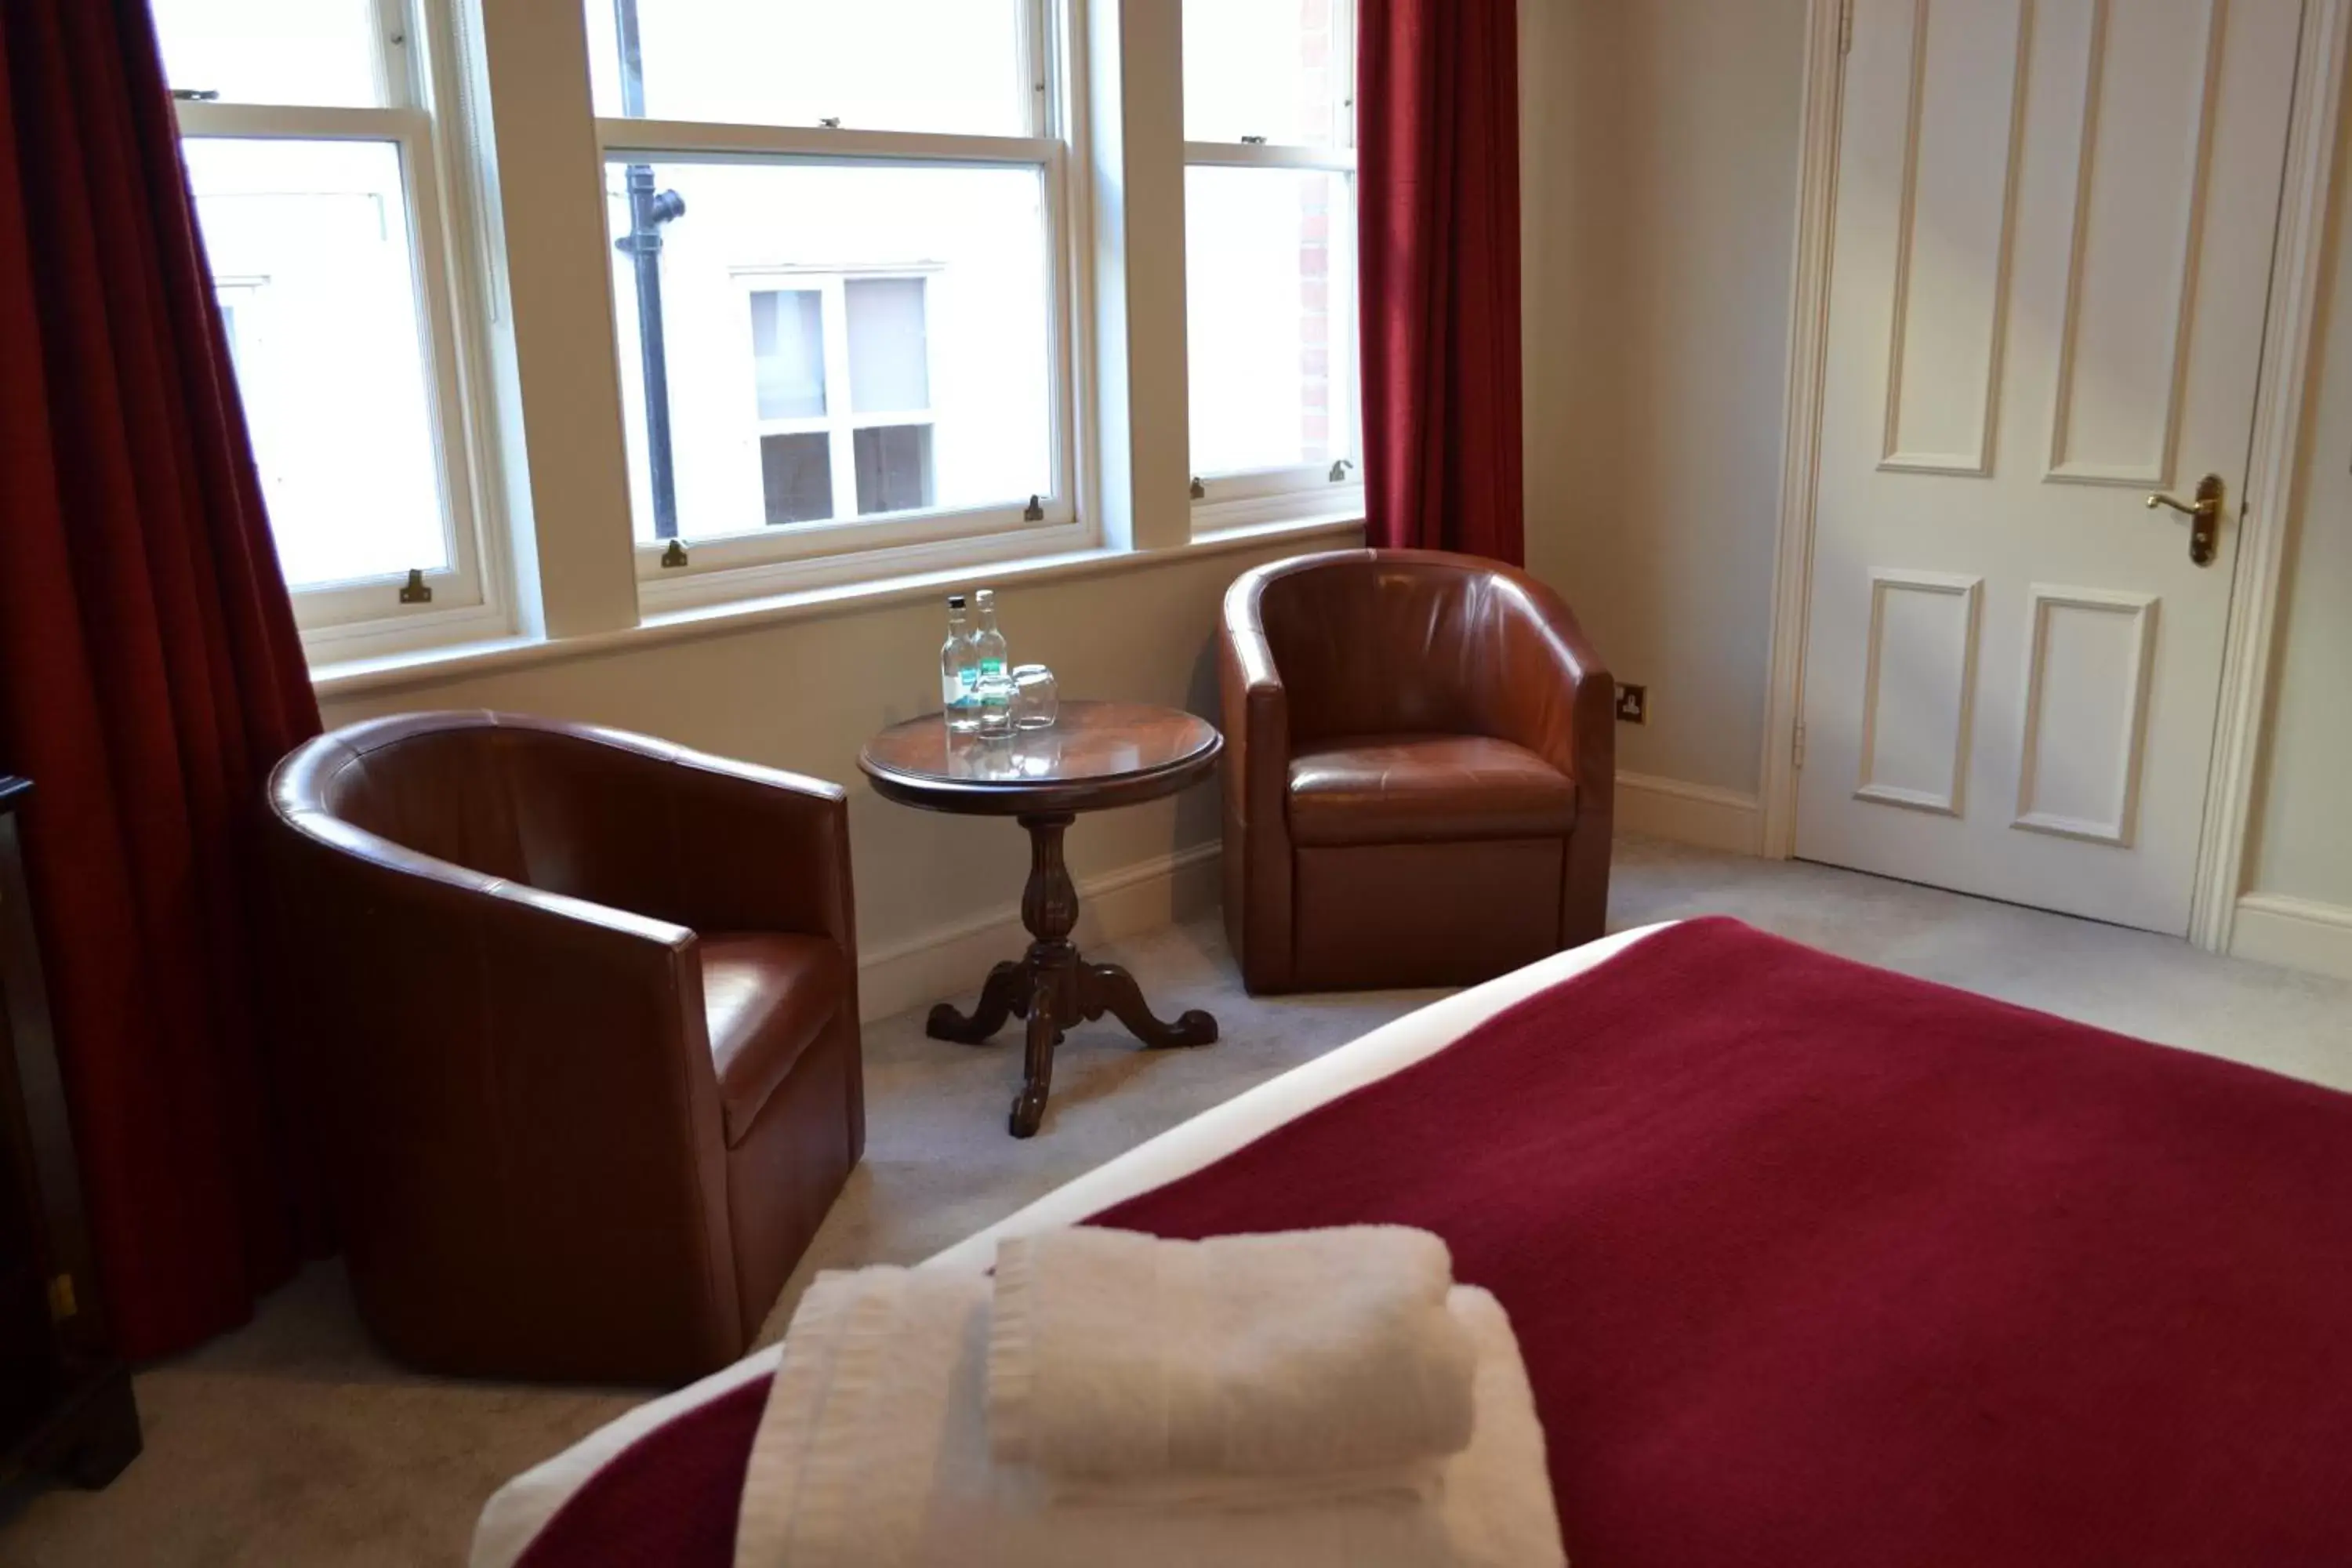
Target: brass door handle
2204,517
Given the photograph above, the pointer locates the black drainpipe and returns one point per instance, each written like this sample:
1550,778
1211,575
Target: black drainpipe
648,212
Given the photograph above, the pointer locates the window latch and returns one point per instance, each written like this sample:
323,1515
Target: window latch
674,557
1035,511
416,590
1339,471
1253,140
196,94
830,123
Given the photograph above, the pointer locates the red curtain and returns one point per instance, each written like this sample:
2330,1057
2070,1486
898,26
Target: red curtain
150,675
1437,106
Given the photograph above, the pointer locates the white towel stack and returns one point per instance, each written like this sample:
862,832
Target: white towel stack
1318,1397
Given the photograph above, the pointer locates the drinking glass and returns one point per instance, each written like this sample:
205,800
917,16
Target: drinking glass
1034,699
995,690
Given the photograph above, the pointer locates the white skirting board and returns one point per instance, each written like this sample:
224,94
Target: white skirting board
948,962
2296,933
1690,814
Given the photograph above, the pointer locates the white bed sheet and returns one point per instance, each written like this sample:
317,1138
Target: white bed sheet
520,1508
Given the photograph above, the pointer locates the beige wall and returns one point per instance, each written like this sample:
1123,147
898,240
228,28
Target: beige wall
2302,846
805,694
1659,171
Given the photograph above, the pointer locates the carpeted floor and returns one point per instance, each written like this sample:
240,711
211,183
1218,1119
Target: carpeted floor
294,1442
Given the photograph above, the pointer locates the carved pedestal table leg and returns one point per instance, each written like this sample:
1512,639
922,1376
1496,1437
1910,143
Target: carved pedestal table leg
1052,987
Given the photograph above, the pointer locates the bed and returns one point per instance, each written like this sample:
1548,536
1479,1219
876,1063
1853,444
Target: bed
1810,1263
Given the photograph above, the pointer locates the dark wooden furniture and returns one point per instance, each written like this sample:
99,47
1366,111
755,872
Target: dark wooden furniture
1098,755
65,1409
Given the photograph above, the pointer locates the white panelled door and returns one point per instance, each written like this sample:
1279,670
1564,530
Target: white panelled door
2052,254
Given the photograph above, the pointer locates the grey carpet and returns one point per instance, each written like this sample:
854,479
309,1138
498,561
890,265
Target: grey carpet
294,1442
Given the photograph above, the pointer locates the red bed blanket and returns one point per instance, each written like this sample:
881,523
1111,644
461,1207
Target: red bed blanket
1813,1264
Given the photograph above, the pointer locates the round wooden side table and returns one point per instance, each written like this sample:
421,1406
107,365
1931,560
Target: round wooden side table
1098,755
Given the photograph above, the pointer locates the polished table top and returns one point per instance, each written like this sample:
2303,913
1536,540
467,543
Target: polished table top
1097,755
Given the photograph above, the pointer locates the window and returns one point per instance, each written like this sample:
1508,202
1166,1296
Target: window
780,296
811,338
1270,217
312,152
842,303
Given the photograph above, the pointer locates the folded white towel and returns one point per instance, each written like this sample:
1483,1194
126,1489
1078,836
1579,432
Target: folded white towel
1118,1356
1416,1478
873,1453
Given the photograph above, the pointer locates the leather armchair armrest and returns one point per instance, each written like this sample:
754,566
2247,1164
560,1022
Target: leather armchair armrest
1550,693
761,850
1256,782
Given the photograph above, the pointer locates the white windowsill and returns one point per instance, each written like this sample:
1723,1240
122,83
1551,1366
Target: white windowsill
431,666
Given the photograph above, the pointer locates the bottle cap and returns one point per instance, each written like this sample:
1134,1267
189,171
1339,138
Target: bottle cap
955,601
986,595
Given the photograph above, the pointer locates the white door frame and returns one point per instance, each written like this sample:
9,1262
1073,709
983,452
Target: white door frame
2270,498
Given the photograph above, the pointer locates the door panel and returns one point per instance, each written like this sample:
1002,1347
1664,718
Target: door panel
1952,259
2146,89
1918,688
2088,661
2050,260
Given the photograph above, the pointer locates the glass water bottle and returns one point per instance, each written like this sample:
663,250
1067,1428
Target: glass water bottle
960,673
993,675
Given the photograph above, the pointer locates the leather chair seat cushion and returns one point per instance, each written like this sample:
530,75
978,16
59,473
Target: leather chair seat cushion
1420,789
766,998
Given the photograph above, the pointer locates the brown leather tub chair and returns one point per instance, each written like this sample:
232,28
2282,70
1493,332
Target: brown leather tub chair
580,1013
1419,762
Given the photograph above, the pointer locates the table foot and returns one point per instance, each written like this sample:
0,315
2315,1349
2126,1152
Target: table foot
1108,988
1052,988
1036,1067
1005,993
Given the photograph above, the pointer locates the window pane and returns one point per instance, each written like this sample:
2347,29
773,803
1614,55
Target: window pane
272,51
890,361
1264,68
965,337
1271,318
894,468
309,243
796,478
876,65
788,352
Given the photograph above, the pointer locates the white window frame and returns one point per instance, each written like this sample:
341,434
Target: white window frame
1226,500
839,423
851,549
415,57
